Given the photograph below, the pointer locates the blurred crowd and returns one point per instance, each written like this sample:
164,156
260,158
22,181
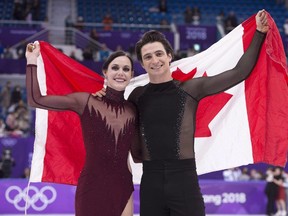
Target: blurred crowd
15,118
225,21
26,10
276,189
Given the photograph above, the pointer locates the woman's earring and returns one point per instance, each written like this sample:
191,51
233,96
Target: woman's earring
105,81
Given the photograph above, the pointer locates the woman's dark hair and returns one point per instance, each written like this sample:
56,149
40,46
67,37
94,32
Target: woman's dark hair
115,55
150,37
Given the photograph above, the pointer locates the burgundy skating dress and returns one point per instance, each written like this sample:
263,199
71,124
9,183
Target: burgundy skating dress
105,184
109,127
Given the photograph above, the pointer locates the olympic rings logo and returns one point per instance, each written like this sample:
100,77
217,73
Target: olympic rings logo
38,199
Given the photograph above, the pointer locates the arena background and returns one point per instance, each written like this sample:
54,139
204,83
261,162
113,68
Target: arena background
67,25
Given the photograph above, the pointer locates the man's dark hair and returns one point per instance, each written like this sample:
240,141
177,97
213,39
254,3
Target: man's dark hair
150,37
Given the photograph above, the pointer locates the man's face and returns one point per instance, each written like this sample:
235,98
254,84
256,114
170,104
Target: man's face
155,61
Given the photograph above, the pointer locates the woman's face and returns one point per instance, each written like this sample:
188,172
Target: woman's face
119,73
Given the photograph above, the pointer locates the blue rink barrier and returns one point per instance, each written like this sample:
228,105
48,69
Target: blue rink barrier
220,197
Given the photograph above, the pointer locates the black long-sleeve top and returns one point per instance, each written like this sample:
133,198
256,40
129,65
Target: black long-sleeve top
167,111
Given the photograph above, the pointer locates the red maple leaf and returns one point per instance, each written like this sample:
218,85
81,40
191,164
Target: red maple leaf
208,107
179,75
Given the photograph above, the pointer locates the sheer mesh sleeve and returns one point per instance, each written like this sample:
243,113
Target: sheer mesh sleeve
136,151
137,145
204,86
74,102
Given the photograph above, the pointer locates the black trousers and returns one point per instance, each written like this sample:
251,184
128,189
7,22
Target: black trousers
170,188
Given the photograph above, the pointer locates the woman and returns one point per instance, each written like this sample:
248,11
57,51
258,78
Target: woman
109,129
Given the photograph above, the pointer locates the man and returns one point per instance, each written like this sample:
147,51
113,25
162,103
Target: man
167,109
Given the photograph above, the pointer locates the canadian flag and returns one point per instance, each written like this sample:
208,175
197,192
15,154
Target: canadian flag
245,124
